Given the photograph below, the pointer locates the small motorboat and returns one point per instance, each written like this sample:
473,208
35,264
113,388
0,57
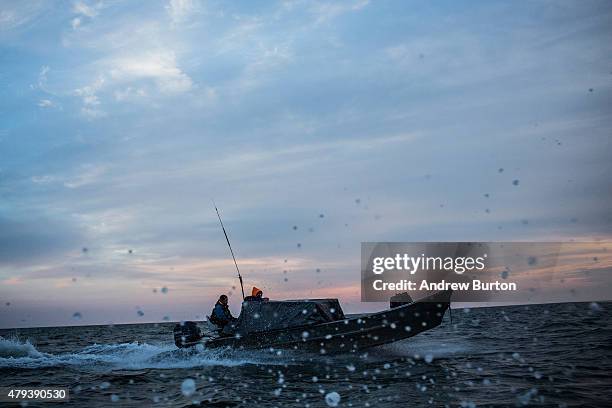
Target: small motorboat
318,325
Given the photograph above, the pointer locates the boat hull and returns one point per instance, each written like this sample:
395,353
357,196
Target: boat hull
349,335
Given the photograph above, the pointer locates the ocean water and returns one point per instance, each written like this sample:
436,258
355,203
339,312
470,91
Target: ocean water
544,355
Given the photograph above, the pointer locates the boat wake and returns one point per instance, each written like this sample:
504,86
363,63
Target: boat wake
15,353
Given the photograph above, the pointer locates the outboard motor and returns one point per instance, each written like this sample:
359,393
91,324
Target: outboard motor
186,334
400,299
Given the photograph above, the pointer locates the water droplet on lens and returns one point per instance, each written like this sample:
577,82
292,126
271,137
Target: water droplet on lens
332,399
594,306
188,387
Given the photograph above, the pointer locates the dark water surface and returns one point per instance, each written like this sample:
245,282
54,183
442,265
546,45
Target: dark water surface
543,355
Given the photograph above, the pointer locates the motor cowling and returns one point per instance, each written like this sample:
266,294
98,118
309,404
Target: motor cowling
186,334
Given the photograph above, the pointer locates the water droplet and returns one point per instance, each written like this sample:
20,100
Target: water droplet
594,306
164,290
114,397
188,387
332,399
515,182
77,316
429,358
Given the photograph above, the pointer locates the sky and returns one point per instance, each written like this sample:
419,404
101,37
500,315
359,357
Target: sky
313,125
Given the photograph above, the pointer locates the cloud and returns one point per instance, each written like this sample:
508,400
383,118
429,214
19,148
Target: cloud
75,23
85,9
15,14
129,93
181,10
42,77
45,103
160,66
89,98
128,77
326,11
44,179
87,174
41,85
35,240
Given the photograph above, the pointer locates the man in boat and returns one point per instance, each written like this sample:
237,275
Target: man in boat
221,314
256,296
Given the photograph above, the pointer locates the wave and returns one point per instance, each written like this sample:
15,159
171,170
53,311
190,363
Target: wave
423,348
11,348
15,353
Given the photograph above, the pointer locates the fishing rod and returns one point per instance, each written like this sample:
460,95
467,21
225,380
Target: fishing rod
230,248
